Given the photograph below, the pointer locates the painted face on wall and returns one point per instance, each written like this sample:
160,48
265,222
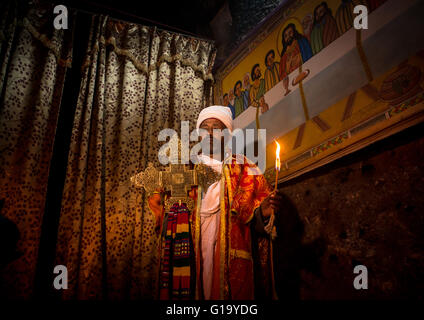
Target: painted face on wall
238,90
257,73
320,12
270,59
246,81
289,36
231,95
307,23
225,100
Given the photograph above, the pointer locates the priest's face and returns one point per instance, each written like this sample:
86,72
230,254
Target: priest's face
211,143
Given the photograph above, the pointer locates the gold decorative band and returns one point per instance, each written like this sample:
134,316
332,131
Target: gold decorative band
242,254
47,43
142,67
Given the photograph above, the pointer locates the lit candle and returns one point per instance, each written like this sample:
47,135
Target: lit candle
274,231
277,164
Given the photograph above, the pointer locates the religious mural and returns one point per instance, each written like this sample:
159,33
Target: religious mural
381,106
294,42
318,86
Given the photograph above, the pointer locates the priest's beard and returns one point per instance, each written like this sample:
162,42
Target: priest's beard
213,147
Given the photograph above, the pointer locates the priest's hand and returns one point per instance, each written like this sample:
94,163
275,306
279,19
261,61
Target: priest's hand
155,202
272,203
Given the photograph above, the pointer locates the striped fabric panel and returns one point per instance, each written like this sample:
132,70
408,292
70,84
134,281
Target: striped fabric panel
176,255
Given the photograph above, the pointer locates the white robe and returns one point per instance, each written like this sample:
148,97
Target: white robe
209,221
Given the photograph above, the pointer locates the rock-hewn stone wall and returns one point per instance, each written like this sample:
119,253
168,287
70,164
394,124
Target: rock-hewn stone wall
366,208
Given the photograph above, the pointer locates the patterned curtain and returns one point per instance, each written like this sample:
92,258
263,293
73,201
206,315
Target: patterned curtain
33,62
136,81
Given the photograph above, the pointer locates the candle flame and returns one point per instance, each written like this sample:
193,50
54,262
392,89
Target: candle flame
277,157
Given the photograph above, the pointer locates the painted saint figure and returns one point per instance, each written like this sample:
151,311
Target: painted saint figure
231,96
238,100
307,23
296,50
257,90
226,102
246,91
272,74
325,28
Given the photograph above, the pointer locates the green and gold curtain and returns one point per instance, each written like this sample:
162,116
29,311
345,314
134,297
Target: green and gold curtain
136,81
34,57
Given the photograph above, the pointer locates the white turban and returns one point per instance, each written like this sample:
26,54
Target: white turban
218,112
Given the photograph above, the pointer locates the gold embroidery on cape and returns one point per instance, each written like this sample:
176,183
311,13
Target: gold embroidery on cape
206,176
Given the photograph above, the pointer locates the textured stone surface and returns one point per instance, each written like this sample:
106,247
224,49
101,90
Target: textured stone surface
247,14
367,208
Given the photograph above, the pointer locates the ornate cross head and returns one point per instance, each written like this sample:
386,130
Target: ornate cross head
177,178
